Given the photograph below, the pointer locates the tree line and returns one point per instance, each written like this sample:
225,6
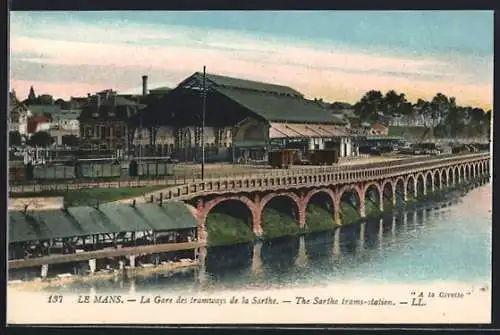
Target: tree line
441,113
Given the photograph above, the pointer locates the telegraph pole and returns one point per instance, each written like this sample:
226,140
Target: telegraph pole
204,102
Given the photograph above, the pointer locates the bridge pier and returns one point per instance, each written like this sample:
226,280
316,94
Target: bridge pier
202,272
256,258
361,242
336,243
44,271
302,255
362,207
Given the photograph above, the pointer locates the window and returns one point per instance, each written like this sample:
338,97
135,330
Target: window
89,131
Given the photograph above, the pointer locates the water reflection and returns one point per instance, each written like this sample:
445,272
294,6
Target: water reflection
341,252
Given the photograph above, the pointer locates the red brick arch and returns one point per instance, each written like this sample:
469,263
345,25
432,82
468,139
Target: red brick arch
268,197
388,181
396,181
312,192
209,205
445,180
407,180
370,184
349,187
438,172
451,175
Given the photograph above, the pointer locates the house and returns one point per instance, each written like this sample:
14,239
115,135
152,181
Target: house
243,118
67,119
105,121
38,123
378,129
18,115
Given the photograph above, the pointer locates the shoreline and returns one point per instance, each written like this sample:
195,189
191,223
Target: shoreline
39,284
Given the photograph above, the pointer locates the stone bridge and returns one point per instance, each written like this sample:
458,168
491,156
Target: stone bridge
382,183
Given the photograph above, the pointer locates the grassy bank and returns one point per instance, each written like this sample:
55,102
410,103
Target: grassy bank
277,224
90,196
225,229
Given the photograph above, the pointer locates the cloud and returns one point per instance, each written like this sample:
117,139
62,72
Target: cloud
116,54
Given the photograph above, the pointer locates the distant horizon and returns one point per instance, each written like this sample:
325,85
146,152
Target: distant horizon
336,56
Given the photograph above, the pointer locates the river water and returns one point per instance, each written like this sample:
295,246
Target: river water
449,240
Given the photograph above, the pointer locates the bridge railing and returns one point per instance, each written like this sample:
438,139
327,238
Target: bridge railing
313,176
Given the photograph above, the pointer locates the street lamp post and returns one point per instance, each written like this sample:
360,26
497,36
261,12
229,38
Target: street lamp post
204,102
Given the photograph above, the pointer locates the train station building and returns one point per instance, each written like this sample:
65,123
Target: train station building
244,120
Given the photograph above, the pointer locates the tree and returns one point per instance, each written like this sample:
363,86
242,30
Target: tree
15,138
70,140
41,139
440,107
369,105
393,102
45,99
31,95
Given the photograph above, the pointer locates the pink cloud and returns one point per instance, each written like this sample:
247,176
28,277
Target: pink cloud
58,90
318,72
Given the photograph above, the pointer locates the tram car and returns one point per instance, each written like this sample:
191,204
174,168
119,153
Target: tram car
324,157
283,158
92,168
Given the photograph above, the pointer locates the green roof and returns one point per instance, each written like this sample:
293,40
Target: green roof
44,109
280,108
109,218
215,80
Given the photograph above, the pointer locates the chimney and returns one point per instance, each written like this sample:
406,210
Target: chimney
144,85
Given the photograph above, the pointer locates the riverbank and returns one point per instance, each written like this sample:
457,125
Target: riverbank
63,279
224,229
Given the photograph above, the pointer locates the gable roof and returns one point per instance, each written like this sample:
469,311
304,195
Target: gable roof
66,114
44,109
214,80
272,107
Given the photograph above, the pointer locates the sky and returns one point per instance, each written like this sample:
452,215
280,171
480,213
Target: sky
333,55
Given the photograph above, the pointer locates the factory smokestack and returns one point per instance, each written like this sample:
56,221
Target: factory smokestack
144,85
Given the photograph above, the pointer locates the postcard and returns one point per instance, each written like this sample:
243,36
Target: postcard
250,167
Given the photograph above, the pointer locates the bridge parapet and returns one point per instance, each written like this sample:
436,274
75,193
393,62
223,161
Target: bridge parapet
311,177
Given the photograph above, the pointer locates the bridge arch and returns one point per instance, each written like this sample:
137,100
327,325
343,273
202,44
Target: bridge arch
313,192
456,175
324,198
444,178
388,196
429,181
372,198
467,172
349,202
399,191
451,179
287,203
209,205
410,187
437,180
239,211
420,184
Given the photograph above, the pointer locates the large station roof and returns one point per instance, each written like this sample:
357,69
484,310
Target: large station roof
230,100
290,130
274,107
215,80
109,218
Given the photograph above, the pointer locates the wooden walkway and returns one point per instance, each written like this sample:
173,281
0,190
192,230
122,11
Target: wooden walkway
85,256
